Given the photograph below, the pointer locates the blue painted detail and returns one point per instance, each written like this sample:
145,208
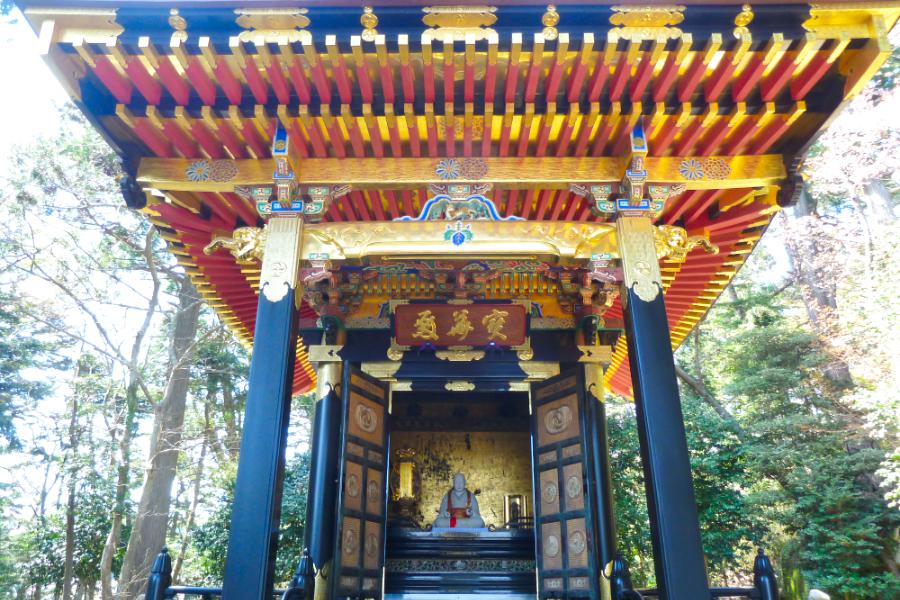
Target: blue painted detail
624,205
458,233
280,140
447,169
269,207
638,141
296,206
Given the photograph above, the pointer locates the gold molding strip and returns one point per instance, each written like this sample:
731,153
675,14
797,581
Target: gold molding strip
176,174
555,241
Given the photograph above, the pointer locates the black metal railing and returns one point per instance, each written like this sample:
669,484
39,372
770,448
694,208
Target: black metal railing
722,592
159,584
765,586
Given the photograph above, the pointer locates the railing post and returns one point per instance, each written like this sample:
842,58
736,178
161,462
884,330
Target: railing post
764,577
302,583
620,581
160,576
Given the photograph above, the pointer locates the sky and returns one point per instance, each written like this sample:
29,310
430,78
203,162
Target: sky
28,106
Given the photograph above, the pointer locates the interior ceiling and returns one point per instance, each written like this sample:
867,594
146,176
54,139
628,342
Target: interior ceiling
701,87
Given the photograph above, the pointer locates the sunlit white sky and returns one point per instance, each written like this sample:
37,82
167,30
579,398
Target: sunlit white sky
28,104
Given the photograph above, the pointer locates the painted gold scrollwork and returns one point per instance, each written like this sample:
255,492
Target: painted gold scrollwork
273,24
459,386
459,355
453,23
646,22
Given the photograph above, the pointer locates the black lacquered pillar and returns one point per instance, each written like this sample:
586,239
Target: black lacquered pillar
604,519
253,535
323,474
675,528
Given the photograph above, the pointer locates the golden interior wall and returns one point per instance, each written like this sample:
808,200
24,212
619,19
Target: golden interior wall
497,463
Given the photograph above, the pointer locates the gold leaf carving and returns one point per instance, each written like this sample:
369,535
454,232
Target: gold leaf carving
282,257
273,24
369,20
640,265
459,386
550,20
645,22
179,24
743,18
674,243
457,355
453,23
246,244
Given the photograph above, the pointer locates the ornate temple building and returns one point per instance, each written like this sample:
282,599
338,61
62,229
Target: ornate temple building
460,227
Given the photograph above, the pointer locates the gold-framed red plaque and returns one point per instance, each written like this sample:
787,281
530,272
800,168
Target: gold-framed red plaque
455,325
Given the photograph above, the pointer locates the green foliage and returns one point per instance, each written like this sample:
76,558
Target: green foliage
25,347
836,525
210,539
722,476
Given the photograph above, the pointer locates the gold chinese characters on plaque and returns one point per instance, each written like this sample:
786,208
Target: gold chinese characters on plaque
454,325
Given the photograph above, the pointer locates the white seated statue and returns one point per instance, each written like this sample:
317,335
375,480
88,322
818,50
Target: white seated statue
459,508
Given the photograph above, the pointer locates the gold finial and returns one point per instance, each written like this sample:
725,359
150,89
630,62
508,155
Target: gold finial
550,20
178,23
743,18
369,20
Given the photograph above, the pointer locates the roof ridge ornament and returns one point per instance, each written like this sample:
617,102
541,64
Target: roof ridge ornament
453,23
550,20
273,25
369,21
179,24
742,20
638,22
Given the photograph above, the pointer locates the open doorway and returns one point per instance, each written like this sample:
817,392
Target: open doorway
484,544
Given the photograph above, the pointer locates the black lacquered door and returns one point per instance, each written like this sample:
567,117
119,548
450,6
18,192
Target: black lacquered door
563,529
359,547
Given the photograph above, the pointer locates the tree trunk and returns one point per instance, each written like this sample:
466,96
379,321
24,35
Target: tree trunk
148,533
817,285
69,561
110,547
192,512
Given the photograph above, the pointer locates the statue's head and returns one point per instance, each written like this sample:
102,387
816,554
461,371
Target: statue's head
459,482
